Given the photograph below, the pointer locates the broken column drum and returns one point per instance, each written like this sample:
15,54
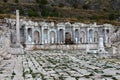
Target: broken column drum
101,45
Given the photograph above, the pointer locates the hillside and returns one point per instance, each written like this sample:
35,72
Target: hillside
78,10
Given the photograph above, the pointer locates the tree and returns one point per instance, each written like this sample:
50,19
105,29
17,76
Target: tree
111,17
37,1
85,6
45,12
43,2
5,1
75,5
32,13
61,5
16,1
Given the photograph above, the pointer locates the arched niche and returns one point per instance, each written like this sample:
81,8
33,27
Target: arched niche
91,37
30,32
52,37
68,39
46,35
61,35
76,35
107,31
107,35
29,36
22,34
36,37
82,37
96,37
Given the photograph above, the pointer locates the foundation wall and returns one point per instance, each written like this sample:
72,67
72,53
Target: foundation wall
62,47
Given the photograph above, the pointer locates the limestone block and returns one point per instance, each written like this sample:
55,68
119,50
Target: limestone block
8,56
16,51
1,58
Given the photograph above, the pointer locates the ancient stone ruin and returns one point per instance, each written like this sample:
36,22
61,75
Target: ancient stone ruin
35,35
41,50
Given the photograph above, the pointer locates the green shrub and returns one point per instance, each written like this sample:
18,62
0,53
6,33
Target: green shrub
111,17
94,17
114,78
85,6
45,12
31,71
43,2
13,73
33,13
61,77
107,75
21,11
5,1
80,17
34,75
16,1
61,5
75,5
37,1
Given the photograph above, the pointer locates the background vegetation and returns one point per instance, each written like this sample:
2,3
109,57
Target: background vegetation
102,11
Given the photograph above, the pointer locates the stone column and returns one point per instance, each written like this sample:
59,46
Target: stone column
42,35
87,35
48,37
105,33
74,35
58,37
17,28
32,42
109,36
79,37
26,35
64,36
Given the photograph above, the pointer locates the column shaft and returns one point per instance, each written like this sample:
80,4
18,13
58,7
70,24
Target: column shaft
17,27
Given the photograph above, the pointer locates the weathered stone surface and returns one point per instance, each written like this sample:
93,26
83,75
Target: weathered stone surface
38,65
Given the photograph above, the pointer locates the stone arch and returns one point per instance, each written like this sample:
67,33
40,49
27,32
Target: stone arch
76,35
22,33
36,37
107,31
91,37
61,35
68,39
95,36
52,37
29,31
107,35
82,37
29,36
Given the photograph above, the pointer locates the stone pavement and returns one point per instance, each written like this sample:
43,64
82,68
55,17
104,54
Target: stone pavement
59,65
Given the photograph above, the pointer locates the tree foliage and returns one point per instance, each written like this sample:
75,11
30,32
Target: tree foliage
43,2
32,13
111,17
37,1
5,1
61,5
85,6
16,1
